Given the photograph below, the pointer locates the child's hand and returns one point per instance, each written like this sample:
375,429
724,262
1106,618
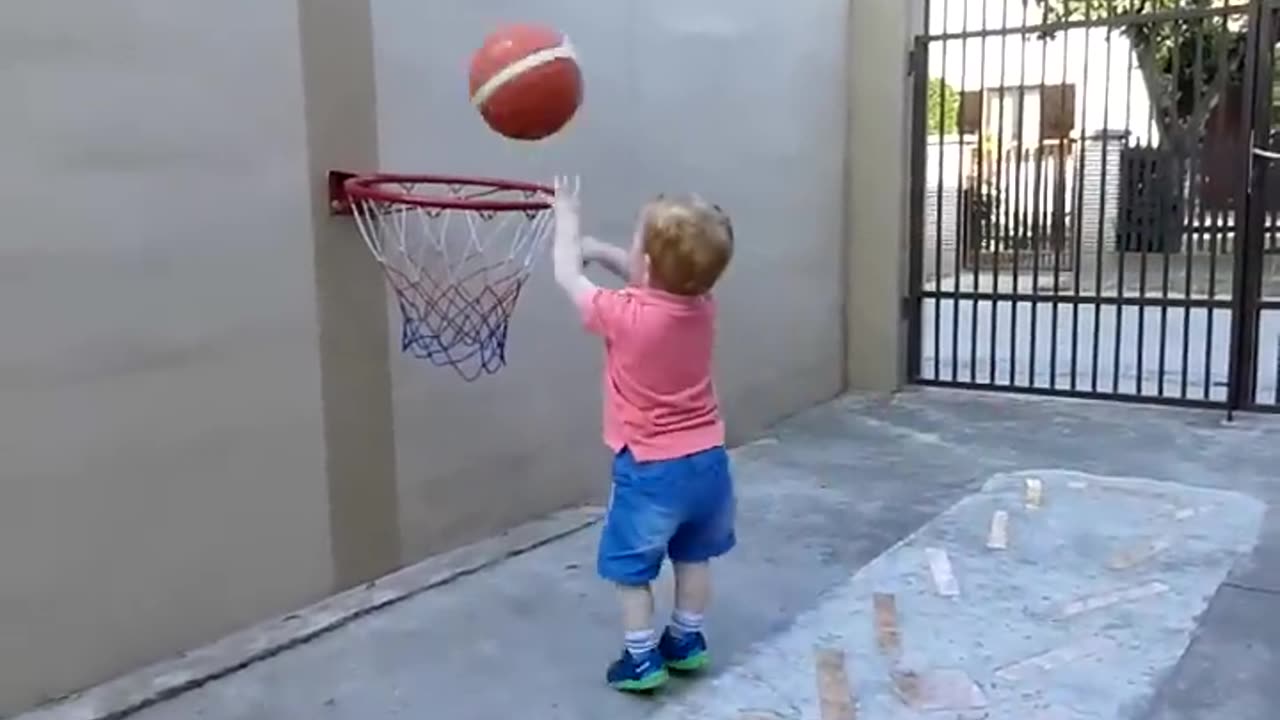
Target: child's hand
566,208
566,251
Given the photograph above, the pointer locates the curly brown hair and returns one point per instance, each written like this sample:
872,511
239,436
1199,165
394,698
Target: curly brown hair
689,243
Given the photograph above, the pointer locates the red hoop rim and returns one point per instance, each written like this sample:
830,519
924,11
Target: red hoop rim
371,188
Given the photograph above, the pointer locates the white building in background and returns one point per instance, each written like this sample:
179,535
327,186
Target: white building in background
1097,65
1022,90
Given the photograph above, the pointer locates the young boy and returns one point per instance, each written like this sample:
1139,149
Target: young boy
672,493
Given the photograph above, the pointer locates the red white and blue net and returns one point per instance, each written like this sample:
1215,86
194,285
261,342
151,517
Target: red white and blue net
456,253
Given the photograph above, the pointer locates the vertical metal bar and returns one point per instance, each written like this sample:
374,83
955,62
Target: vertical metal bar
1195,206
972,233
997,200
1181,165
919,153
1077,215
983,222
1037,216
957,237
1123,247
1246,285
1149,231
1056,188
1268,139
1057,214
1214,223
1016,200
1269,114
1099,242
938,202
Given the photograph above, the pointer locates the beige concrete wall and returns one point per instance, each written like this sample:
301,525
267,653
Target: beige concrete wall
742,100
880,35
162,476
341,130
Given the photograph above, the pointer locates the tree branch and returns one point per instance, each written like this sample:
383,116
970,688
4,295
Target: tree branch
1204,106
1163,101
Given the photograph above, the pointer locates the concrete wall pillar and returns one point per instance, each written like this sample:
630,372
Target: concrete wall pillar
342,133
880,37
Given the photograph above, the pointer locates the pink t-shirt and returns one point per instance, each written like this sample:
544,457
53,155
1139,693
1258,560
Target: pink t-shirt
659,399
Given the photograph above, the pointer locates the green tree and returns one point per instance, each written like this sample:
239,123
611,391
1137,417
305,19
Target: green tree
944,108
1187,64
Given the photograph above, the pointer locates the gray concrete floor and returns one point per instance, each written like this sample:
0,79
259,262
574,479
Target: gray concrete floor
842,484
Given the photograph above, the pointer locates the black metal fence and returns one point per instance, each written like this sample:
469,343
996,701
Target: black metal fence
1089,215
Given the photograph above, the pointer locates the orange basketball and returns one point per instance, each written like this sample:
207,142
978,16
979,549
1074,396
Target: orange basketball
525,81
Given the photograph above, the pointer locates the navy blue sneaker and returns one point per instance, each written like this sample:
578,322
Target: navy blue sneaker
684,653
638,674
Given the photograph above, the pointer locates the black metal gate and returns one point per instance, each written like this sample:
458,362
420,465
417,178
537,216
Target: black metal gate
1096,200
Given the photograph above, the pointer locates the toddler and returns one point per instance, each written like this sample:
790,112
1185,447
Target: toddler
672,493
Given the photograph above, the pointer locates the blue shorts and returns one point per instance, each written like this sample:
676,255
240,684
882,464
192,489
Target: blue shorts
681,508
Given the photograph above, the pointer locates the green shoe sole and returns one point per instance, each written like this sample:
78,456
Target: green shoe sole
691,663
652,681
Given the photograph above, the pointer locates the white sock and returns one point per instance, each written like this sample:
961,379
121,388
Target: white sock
685,623
640,642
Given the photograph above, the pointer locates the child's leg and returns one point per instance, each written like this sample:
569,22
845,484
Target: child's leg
633,543
693,592
707,533
637,618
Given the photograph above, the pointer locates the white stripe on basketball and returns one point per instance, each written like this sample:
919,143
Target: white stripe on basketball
563,51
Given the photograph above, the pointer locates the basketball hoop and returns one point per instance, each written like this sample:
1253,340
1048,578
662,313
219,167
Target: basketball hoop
456,252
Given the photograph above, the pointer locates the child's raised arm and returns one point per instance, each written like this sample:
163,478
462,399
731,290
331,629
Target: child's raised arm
567,252
610,257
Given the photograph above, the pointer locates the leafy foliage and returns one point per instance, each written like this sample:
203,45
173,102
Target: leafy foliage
1187,62
944,108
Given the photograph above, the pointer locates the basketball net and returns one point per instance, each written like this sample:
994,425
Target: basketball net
456,270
